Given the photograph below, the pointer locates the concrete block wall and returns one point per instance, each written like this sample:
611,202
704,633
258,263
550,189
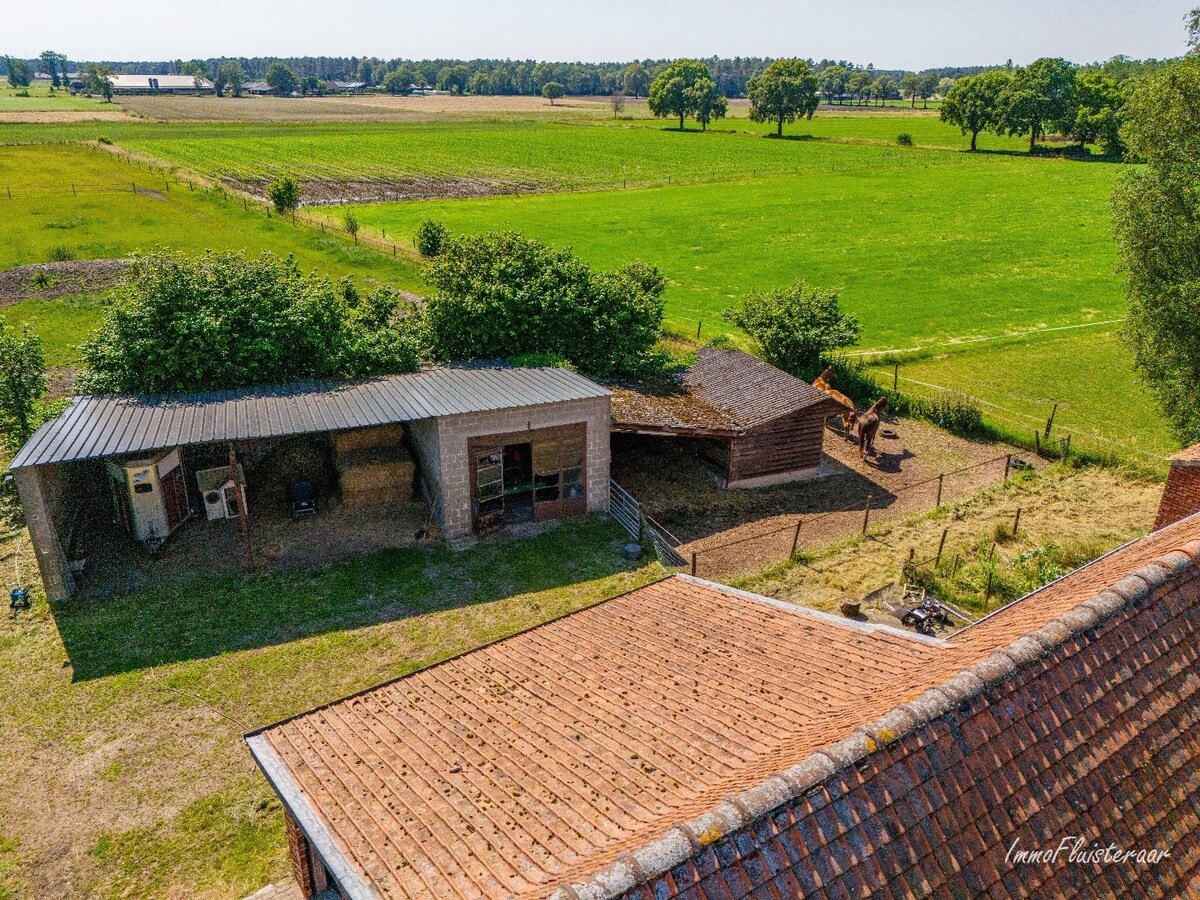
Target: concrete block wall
423,435
453,439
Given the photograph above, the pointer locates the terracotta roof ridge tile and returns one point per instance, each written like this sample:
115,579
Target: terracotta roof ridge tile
735,813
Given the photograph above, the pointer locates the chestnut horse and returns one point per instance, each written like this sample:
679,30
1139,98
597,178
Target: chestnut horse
868,425
824,380
850,415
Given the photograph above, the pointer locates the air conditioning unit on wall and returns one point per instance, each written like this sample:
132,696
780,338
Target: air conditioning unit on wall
219,490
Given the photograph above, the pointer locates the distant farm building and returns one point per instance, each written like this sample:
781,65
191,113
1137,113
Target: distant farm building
159,84
255,87
753,423
691,740
487,448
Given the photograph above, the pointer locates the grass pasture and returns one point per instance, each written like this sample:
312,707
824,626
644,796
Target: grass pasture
924,253
103,217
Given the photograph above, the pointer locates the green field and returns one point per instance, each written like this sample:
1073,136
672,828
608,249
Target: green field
41,99
923,253
928,245
532,154
104,217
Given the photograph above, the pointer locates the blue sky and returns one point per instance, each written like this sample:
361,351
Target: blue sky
889,34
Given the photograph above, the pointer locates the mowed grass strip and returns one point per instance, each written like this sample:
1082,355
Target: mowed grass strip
125,772
922,253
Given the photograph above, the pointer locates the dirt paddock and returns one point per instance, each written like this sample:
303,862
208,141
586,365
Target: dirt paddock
758,524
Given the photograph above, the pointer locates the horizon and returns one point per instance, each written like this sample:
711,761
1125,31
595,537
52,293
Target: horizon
864,31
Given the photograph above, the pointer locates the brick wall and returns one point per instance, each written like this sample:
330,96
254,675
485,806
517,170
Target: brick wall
1181,494
1095,738
454,434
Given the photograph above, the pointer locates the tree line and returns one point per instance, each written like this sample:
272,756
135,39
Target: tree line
1047,97
841,81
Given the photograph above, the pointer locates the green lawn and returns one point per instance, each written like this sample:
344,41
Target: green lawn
122,717
62,323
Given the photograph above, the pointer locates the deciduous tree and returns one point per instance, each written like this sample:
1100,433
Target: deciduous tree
833,82
98,80
1040,96
552,91
282,80
1098,103
706,102
48,63
506,295
860,85
635,80
792,327
973,103
1157,217
882,88
229,75
22,381
20,73
673,91
284,194
785,91
910,87
227,321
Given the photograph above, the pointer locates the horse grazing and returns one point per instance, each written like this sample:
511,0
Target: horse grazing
824,380
868,425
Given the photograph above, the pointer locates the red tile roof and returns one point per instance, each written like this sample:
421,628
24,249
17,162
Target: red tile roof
602,749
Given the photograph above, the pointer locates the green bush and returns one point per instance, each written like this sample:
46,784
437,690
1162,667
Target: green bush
904,139
503,295
60,253
284,194
431,235
794,327
104,139
41,280
227,321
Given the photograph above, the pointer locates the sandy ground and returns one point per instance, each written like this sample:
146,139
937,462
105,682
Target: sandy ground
365,108
747,529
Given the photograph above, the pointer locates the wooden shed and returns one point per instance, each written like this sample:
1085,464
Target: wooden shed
754,423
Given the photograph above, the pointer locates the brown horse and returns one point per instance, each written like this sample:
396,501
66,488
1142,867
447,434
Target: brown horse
868,425
824,380
849,414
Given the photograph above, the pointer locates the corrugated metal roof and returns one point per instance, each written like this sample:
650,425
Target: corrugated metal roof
110,425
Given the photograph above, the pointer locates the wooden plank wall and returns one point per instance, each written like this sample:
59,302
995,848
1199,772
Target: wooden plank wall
782,445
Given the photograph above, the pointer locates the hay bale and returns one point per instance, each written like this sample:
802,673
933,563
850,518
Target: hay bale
377,437
370,478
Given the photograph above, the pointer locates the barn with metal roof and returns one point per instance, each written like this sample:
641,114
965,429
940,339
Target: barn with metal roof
484,447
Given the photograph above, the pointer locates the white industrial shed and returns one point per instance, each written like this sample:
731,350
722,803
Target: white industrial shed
493,446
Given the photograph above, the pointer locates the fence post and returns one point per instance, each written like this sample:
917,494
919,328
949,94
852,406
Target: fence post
699,325
1037,442
1007,465
1067,449
987,594
1050,421
1017,521
895,377
694,555
796,538
941,479
941,545
867,514
9,189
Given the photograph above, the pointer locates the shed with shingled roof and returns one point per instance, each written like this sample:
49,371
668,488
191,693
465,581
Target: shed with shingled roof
754,423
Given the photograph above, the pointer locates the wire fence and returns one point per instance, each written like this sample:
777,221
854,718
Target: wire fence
782,541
